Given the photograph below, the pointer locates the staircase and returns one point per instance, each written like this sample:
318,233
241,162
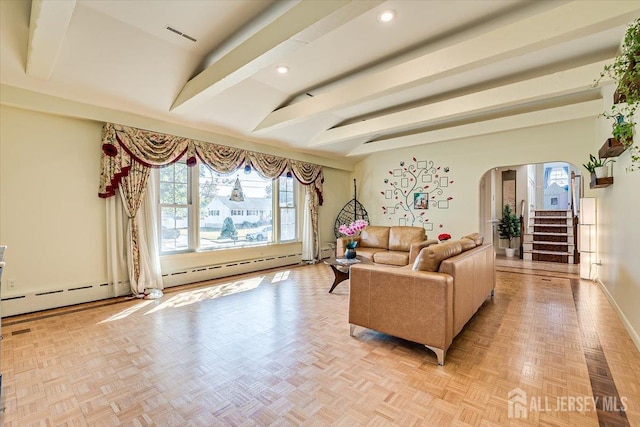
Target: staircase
549,237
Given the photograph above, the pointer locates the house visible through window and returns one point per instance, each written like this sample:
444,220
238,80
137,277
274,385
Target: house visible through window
219,222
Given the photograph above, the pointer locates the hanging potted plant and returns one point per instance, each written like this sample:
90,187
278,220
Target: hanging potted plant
623,132
625,68
509,227
625,72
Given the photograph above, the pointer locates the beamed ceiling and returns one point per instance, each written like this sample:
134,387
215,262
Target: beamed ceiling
439,71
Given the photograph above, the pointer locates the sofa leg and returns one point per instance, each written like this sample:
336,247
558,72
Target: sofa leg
492,292
439,354
351,329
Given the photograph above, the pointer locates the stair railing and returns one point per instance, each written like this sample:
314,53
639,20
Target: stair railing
574,215
522,206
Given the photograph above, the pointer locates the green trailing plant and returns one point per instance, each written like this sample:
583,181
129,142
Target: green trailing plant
625,72
625,68
509,225
623,132
634,152
595,162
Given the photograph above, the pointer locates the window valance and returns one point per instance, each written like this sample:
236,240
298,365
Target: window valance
124,146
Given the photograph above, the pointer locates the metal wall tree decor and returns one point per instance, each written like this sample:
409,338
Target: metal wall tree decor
352,211
416,189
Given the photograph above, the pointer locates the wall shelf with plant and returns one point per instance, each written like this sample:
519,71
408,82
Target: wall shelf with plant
600,182
599,170
625,72
612,147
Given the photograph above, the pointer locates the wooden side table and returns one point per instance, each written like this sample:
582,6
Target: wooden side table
341,270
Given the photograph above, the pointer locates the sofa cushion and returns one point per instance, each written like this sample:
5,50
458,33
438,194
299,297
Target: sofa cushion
401,238
430,257
391,257
476,237
467,244
375,237
368,252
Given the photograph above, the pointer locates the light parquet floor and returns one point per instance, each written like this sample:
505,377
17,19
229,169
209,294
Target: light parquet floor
273,348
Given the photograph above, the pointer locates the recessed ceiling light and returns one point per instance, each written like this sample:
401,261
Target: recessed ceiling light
282,69
387,15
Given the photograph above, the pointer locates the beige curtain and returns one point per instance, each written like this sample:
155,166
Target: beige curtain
220,158
311,240
132,189
123,146
117,245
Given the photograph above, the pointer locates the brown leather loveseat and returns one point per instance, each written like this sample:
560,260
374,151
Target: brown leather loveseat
428,302
397,245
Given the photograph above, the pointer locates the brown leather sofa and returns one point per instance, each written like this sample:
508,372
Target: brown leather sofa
428,302
397,245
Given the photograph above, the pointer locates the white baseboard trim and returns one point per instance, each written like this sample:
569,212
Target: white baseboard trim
53,298
64,296
187,276
632,332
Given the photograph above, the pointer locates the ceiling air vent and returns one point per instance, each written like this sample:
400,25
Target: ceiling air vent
180,33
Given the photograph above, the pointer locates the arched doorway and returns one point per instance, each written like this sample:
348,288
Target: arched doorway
545,197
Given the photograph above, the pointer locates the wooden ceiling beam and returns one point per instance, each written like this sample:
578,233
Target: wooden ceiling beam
48,26
562,24
294,29
485,127
563,83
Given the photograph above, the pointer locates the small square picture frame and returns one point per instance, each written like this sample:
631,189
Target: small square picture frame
421,201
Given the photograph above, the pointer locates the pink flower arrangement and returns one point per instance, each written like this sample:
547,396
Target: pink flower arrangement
354,228
444,237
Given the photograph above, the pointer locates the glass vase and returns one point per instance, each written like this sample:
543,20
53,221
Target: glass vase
350,253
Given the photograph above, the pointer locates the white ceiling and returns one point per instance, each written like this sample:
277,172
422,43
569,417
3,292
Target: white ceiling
353,81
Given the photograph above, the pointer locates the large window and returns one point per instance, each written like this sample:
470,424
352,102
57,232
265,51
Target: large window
556,173
266,212
175,207
287,209
558,176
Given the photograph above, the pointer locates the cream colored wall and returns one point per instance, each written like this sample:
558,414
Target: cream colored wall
571,141
338,186
618,228
51,218
468,159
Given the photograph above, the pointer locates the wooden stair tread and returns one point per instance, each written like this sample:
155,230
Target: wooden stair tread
557,239
537,251
546,233
544,242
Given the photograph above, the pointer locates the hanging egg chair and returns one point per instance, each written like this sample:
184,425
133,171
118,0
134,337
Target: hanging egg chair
352,211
